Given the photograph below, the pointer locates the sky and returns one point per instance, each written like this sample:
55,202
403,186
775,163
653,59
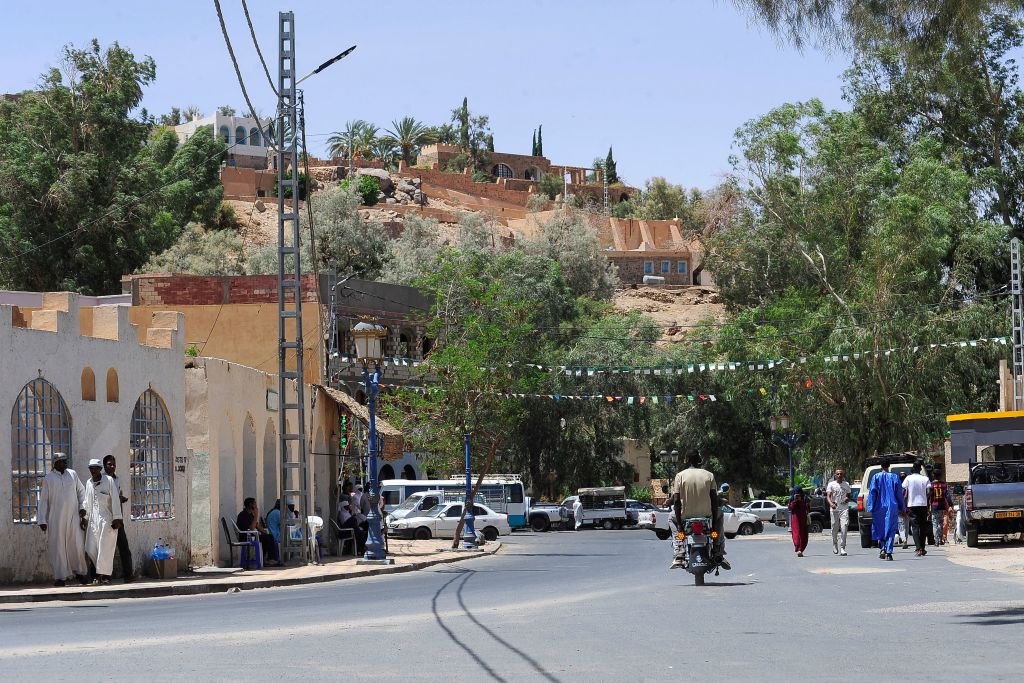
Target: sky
665,82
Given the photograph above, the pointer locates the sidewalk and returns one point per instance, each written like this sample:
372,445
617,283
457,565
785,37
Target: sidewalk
408,555
1007,558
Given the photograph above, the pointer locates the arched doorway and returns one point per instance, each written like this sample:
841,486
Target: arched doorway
408,472
386,472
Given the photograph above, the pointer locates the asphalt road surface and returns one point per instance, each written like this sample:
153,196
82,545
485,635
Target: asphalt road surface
588,606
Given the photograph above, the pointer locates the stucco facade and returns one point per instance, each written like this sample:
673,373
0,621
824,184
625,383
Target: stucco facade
95,379
246,146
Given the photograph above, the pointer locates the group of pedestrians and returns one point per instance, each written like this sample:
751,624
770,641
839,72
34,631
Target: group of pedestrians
83,523
925,502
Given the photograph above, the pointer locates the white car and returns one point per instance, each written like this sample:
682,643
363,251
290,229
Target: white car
734,522
441,520
767,510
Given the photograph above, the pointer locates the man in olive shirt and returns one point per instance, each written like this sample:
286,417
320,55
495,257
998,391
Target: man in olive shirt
696,495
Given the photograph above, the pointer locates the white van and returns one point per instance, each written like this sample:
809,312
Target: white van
415,505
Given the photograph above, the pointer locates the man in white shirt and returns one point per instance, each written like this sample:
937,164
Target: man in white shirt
838,494
915,493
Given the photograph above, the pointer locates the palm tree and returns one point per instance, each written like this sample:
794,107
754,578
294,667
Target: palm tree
409,135
345,142
384,149
192,112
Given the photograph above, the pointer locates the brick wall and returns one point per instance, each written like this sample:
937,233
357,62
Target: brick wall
631,268
195,290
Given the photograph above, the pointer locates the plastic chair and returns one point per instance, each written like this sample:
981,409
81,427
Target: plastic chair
343,536
251,549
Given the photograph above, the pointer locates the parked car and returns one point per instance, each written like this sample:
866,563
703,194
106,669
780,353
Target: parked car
852,504
766,510
898,462
543,516
735,521
633,510
441,521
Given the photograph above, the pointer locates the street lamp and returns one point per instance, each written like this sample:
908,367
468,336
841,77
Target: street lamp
784,436
368,336
468,530
672,460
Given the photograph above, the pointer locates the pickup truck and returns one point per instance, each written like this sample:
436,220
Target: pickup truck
603,507
994,499
544,516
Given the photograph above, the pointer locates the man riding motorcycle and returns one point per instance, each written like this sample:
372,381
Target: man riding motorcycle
695,494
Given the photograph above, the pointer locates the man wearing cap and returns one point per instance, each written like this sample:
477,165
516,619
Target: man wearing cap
61,516
104,511
124,549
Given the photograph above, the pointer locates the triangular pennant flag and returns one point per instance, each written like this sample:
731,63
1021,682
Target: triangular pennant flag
629,401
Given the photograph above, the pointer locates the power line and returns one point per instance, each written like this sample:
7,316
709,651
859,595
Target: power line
259,52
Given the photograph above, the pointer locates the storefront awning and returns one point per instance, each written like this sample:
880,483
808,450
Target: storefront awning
392,440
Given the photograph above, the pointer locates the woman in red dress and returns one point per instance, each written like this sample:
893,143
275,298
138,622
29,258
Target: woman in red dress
798,512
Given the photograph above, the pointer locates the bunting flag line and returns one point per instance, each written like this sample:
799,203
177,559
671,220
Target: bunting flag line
706,366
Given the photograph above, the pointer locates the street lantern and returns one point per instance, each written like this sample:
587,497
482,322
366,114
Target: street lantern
369,337
784,436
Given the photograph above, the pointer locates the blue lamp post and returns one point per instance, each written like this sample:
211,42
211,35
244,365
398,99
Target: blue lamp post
367,336
784,436
468,532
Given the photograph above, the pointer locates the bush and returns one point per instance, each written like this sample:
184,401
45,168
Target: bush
551,185
641,493
226,218
369,189
303,186
537,202
481,177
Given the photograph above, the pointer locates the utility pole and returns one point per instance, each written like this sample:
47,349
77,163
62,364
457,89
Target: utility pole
1018,325
292,440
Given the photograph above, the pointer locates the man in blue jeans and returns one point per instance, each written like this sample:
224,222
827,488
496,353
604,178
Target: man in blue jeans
941,503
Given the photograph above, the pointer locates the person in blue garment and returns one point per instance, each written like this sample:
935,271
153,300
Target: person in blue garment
885,501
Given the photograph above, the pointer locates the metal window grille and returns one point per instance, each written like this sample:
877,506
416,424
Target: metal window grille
40,427
151,462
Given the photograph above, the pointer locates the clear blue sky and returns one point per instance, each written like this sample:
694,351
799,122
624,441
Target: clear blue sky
667,83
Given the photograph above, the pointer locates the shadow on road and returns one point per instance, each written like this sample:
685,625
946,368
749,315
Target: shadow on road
467,573
1006,616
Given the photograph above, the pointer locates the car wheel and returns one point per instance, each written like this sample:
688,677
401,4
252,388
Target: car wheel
540,523
608,525
422,534
662,534
746,529
490,533
815,527
730,536
972,538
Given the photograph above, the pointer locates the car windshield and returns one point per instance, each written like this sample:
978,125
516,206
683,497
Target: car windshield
896,469
435,511
409,503
727,508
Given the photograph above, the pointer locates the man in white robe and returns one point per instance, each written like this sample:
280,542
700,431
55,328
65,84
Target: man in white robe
61,516
104,511
577,513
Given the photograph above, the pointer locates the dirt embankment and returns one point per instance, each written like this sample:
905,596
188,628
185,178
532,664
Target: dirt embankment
677,310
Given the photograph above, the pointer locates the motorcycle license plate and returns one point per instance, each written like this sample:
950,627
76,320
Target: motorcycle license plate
698,539
1008,514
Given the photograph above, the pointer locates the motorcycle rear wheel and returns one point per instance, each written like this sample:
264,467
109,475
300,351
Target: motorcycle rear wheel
698,579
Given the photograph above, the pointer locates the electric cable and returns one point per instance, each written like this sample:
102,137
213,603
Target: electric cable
259,52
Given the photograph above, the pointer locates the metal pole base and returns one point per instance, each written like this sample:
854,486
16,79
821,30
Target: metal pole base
385,561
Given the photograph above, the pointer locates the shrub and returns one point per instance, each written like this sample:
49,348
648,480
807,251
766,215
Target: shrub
641,493
303,186
481,177
192,351
369,189
551,185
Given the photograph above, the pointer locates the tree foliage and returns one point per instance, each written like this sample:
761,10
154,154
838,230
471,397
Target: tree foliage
83,198
199,252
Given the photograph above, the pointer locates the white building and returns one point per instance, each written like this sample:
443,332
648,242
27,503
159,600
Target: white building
246,146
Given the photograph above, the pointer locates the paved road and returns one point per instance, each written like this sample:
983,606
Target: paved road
592,606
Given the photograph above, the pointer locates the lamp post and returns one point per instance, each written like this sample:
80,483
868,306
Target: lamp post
672,460
367,336
784,436
468,531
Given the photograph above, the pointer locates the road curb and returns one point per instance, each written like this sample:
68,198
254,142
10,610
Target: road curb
226,585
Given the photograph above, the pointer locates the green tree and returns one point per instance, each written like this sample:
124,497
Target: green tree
540,141
409,135
411,255
533,144
569,240
609,168
353,140
551,185
661,200
198,252
226,110
460,116
83,199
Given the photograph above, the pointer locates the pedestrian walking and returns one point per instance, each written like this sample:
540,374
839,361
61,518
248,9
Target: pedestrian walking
798,511
61,517
577,513
838,494
902,529
915,494
124,549
886,503
104,518
941,501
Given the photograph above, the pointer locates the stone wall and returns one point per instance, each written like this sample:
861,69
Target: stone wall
631,267
99,376
194,290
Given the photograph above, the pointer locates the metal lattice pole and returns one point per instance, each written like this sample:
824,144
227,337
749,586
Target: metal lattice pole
1018,325
292,440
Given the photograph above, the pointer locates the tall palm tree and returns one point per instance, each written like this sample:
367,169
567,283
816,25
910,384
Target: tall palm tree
409,135
384,149
348,141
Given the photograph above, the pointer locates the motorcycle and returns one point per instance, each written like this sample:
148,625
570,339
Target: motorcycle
698,536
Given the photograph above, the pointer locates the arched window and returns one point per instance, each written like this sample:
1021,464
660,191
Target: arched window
240,135
532,173
225,135
151,463
112,390
40,427
502,171
408,472
386,472
254,137
88,385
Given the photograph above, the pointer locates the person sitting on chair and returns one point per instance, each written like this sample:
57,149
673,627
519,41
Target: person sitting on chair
249,520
